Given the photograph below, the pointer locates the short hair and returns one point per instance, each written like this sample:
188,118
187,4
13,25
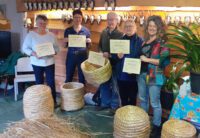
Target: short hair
113,14
42,17
130,20
158,22
79,12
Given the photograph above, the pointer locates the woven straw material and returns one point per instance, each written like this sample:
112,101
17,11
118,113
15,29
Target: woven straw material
38,102
96,75
131,122
178,129
72,96
43,128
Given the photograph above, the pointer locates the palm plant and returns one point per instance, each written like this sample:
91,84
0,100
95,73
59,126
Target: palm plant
189,38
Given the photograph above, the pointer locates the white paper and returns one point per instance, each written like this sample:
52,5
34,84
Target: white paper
96,58
119,46
76,40
44,49
132,65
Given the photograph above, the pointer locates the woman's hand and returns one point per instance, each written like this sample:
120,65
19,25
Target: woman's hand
120,55
34,54
88,40
144,58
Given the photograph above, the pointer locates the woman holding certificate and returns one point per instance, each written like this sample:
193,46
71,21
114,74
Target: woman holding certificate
127,83
41,46
154,59
78,39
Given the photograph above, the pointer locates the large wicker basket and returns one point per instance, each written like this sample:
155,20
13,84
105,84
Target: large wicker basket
131,122
96,75
38,102
72,96
178,129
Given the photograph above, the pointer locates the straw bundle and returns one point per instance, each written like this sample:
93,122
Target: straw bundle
43,128
131,122
72,96
178,129
96,75
38,102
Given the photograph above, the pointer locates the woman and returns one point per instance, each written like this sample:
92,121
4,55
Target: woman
45,64
127,83
76,55
150,79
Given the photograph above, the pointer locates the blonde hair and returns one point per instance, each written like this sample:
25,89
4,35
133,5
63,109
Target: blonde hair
132,22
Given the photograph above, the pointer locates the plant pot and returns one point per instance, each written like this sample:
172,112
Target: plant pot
194,82
167,99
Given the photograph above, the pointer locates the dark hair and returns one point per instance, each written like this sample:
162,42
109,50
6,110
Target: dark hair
77,12
160,27
42,17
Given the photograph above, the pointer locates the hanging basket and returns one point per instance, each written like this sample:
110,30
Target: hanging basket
38,102
131,122
178,129
96,75
72,96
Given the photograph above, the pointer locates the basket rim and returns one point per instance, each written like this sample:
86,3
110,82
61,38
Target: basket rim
81,85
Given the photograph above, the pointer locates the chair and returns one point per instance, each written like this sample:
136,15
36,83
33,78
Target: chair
23,73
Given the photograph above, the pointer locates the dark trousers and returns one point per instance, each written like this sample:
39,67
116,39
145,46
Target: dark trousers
50,77
128,92
74,59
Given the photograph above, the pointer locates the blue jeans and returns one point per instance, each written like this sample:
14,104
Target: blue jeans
109,93
74,59
153,92
50,77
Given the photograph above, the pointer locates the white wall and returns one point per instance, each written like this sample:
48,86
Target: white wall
16,20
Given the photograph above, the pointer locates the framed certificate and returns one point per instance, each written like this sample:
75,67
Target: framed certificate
96,58
44,49
132,65
76,41
119,46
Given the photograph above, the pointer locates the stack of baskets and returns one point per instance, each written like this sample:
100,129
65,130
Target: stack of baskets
38,102
131,122
72,96
96,75
178,129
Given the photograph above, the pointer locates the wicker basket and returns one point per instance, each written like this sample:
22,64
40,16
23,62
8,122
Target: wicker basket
96,75
72,96
178,129
131,122
38,102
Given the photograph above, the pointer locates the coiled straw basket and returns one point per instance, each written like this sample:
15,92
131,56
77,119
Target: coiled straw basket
178,129
72,96
131,122
96,75
38,102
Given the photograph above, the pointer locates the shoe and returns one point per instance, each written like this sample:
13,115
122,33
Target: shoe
156,132
100,108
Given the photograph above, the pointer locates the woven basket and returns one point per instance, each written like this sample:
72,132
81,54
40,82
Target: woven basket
38,102
96,75
178,129
131,122
72,96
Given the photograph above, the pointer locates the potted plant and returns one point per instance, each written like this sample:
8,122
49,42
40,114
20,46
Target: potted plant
185,41
171,87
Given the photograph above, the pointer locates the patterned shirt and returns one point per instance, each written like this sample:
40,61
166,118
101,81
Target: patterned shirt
187,108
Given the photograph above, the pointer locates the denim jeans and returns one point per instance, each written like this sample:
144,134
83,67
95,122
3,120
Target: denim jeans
50,77
153,92
109,98
74,60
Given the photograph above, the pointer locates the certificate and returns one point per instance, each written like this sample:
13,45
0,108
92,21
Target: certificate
76,40
119,46
96,58
44,49
132,65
